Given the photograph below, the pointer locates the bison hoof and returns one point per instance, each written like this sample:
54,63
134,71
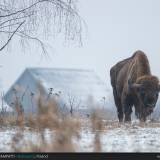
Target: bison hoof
127,119
120,120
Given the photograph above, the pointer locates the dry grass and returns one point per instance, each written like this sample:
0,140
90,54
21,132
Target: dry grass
97,127
64,129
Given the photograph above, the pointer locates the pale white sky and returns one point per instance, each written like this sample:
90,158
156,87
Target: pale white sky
115,30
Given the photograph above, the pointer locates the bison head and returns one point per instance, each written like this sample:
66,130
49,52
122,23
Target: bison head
147,90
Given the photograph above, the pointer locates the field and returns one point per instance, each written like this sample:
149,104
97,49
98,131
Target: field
113,137
52,131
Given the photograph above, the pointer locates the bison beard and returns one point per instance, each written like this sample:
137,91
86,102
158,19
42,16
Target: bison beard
134,85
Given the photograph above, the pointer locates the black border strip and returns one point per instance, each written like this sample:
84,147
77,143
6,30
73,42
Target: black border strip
81,156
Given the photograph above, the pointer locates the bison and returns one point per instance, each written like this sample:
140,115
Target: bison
134,85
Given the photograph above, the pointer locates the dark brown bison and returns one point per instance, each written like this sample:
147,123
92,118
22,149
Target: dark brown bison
134,85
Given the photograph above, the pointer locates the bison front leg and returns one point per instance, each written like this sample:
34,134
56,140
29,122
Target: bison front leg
140,114
120,114
127,112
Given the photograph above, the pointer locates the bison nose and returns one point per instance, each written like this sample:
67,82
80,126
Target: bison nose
150,109
150,101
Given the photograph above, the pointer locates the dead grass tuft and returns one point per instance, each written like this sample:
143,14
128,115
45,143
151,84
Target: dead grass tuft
63,130
98,126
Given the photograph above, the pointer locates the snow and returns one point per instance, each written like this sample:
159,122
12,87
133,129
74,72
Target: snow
132,140
124,138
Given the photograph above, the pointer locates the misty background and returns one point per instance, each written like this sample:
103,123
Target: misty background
115,30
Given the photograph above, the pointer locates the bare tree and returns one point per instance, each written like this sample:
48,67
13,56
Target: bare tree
26,19
71,100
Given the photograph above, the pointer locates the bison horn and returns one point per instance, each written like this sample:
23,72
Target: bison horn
136,86
133,85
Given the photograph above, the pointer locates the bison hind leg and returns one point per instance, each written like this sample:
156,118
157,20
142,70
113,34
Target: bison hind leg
118,105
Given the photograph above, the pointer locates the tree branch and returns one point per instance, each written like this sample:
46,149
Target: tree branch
22,10
15,19
11,36
57,16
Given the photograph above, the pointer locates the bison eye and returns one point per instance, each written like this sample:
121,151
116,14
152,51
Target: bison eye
142,94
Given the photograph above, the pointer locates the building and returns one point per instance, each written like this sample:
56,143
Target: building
74,89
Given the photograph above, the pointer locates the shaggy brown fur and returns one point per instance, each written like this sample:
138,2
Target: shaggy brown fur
134,85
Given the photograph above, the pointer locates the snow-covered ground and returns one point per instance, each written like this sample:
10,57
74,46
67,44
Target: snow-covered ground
115,138
125,139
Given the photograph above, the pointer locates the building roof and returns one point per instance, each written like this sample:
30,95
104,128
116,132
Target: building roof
70,83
